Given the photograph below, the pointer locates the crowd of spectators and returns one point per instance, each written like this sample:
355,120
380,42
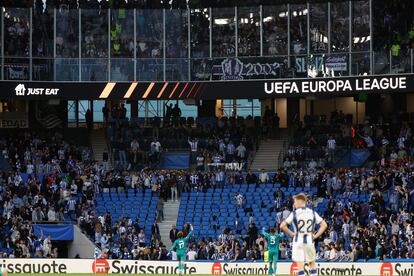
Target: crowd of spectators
40,182
137,144
323,144
370,211
377,226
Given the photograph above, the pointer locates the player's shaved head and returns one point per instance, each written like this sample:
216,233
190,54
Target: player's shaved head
272,230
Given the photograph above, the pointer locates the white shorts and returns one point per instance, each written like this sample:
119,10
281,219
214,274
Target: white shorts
303,252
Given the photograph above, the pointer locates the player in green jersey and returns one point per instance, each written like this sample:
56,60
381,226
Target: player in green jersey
273,247
180,247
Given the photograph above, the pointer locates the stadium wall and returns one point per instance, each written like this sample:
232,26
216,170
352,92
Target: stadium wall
80,245
102,266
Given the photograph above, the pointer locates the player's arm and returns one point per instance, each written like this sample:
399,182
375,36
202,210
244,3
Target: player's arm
284,226
189,234
174,246
322,226
264,233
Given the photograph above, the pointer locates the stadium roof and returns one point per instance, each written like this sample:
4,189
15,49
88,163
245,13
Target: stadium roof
151,4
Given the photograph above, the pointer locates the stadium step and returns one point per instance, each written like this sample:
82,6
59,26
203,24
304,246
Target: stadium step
267,157
170,216
98,143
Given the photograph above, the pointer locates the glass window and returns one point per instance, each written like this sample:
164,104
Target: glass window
298,29
188,110
42,69
200,33
149,33
176,69
83,106
122,69
340,26
154,109
248,108
360,26
122,33
248,31
97,111
71,111
318,28
361,64
94,69
275,30
176,33
16,68
150,69
67,33
94,33
16,35
67,69
224,32
42,31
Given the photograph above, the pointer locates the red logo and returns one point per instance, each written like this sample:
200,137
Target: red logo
386,269
216,269
294,269
100,266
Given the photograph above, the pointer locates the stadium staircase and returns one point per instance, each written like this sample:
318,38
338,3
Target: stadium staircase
170,215
98,143
268,156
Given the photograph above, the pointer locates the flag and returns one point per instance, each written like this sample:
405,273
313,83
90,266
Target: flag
97,254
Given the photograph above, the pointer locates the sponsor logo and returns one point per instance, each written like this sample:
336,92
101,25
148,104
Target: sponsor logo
386,269
42,267
235,69
216,269
100,266
335,85
294,269
22,90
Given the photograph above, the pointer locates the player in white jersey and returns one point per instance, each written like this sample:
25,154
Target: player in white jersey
303,220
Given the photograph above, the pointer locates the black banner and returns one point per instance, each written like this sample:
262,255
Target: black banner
253,89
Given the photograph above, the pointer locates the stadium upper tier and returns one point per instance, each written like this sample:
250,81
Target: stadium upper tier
62,42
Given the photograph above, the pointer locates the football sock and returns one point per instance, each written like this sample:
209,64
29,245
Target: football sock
270,269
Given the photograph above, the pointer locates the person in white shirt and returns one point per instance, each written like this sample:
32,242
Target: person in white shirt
134,146
312,164
241,152
192,254
29,167
401,141
304,220
333,253
331,145
51,215
264,177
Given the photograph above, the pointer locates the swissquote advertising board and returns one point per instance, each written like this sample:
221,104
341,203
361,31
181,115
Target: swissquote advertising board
209,90
102,266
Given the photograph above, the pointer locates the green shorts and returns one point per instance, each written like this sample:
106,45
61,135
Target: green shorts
273,256
181,257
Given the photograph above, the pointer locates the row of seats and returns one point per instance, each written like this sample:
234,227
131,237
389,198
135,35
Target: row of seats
201,209
142,206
